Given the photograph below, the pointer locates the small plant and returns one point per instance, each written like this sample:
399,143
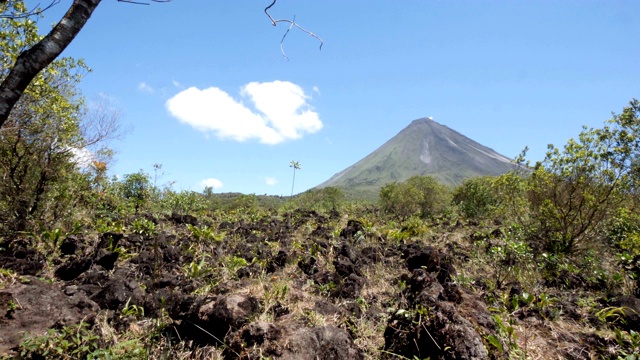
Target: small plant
506,331
51,238
629,343
143,227
7,277
326,289
203,233
612,314
232,264
104,225
132,310
277,293
70,342
197,269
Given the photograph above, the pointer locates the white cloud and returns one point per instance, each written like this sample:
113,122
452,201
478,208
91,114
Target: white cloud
83,157
270,181
212,183
280,112
144,87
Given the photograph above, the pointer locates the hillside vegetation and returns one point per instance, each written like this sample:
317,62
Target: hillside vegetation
425,147
540,262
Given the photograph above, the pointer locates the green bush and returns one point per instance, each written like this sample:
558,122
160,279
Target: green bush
136,189
476,197
624,231
324,199
419,195
574,192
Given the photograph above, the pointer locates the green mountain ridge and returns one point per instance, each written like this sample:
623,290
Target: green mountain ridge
425,147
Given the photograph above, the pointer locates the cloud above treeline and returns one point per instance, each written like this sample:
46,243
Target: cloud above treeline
279,111
271,181
212,183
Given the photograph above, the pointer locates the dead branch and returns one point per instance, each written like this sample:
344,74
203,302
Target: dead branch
291,23
144,2
35,11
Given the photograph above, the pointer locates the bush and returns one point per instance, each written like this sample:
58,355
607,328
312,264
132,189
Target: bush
574,192
565,202
419,195
476,197
324,199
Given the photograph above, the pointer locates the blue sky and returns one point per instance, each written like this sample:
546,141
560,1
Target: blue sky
208,94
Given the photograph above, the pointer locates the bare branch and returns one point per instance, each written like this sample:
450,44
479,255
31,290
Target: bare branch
144,3
36,11
291,23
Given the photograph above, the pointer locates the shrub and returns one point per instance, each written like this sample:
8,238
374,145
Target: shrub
136,189
573,192
476,197
324,199
422,195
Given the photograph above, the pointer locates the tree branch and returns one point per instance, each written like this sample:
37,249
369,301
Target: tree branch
33,60
291,23
36,11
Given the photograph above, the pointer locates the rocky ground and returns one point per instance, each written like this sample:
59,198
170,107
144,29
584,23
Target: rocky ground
302,285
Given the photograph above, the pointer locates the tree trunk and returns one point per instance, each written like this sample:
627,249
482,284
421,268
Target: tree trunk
33,60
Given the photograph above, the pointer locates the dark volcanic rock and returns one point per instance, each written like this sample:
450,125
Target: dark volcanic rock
183,219
218,315
630,313
69,245
353,227
118,292
106,259
109,240
431,260
19,256
444,334
41,306
308,265
292,341
350,287
73,268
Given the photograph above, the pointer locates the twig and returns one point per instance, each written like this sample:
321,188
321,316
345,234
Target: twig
213,336
291,23
432,339
144,3
36,11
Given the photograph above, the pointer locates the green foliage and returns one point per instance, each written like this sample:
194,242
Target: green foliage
196,269
242,203
203,233
476,197
40,139
624,231
324,199
133,310
574,191
419,195
629,343
136,189
143,227
70,342
184,202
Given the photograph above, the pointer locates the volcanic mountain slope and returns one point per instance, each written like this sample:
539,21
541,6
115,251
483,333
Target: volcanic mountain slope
425,147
